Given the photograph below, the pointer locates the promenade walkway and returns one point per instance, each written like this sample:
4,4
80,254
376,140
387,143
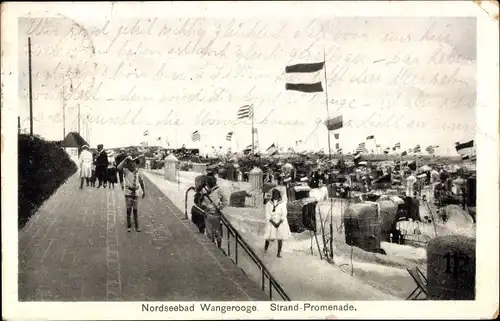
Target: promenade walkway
77,248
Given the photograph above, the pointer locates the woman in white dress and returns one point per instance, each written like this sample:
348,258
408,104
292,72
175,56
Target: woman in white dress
276,221
85,162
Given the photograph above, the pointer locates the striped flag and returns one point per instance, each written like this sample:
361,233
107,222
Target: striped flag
336,135
417,149
303,86
465,148
396,146
339,151
404,153
195,136
370,137
245,111
146,133
229,136
334,123
247,149
465,157
361,148
387,150
272,150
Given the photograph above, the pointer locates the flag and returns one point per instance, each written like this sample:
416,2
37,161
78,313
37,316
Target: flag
396,146
370,137
336,135
146,133
297,142
247,149
195,136
305,68
465,148
465,157
245,111
417,149
339,151
387,150
159,138
337,145
473,158
334,123
378,145
229,136
361,148
272,150
404,153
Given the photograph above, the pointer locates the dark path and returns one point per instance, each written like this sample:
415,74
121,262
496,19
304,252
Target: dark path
76,248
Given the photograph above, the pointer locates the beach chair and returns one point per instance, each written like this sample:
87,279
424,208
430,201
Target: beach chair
420,281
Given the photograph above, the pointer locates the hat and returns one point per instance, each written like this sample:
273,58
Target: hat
122,149
85,146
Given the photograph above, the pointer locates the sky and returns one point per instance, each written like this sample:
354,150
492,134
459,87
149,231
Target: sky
407,80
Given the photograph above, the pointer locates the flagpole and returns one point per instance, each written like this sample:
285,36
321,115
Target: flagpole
326,102
253,137
329,153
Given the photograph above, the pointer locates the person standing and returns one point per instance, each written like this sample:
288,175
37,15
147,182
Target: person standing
102,163
410,185
213,201
277,227
118,159
134,185
85,162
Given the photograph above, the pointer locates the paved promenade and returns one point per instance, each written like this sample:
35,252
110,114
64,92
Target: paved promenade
77,248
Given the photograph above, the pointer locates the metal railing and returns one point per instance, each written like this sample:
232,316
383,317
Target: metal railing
239,242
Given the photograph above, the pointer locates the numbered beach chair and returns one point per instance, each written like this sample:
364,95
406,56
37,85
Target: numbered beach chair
420,281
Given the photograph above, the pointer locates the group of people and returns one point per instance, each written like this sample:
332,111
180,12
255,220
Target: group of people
124,166
98,168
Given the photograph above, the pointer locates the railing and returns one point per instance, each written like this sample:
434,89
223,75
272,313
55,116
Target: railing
239,242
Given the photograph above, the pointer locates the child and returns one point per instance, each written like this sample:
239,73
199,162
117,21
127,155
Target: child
93,178
112,175
133,185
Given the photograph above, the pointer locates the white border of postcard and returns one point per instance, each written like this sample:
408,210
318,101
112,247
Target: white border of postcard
486,304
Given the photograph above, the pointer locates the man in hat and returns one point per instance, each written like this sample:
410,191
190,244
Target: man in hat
85,164
101,165
119,158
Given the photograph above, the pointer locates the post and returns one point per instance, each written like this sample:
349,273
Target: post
78,118
253,140
88,129
18,125
329,153
64,113
30,86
